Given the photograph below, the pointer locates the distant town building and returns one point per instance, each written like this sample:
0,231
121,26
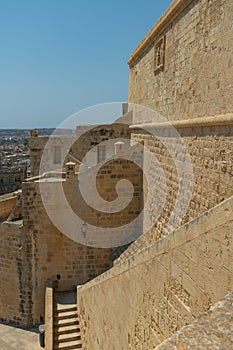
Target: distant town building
11,180
14,159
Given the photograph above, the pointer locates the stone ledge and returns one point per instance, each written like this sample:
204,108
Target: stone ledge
217,120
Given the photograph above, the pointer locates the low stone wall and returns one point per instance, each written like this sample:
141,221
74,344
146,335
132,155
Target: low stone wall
12,304
147,298
7,203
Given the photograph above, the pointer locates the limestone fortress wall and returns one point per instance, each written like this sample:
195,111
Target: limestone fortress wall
193,89
183,70
169,276
183,67
33,250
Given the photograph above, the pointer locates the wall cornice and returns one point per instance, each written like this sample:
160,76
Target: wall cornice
169,15
217,120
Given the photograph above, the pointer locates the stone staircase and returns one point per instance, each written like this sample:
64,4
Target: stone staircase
66,331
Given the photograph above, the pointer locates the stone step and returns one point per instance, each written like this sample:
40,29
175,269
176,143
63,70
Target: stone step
66,322
65,315
77,344
64,338
67,329
66,309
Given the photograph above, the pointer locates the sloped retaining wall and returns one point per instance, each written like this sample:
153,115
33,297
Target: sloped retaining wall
147,298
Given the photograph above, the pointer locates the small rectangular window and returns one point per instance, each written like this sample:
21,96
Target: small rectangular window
57,155
159,55
101,153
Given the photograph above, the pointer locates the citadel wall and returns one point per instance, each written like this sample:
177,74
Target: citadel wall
183,68
155,292
192,88
52,255
211,150
34,250
142,301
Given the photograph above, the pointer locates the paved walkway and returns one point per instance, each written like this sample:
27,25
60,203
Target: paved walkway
14,338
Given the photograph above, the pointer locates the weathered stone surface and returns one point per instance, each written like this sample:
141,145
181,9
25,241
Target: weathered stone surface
12,338
12,294
196,80
147,298
212,330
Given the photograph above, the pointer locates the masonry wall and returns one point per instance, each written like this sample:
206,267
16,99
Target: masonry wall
12,296
106,181
211,152
48,253
51,255
90,136
85,138
36,146
196,79
141,302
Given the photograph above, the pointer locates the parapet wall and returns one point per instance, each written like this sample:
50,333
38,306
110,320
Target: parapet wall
183,68
7,203
147,298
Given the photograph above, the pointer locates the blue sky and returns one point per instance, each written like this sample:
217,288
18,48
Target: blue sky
59,56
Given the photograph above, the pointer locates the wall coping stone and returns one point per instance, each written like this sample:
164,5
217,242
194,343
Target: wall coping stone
8,196
47,175
165,20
